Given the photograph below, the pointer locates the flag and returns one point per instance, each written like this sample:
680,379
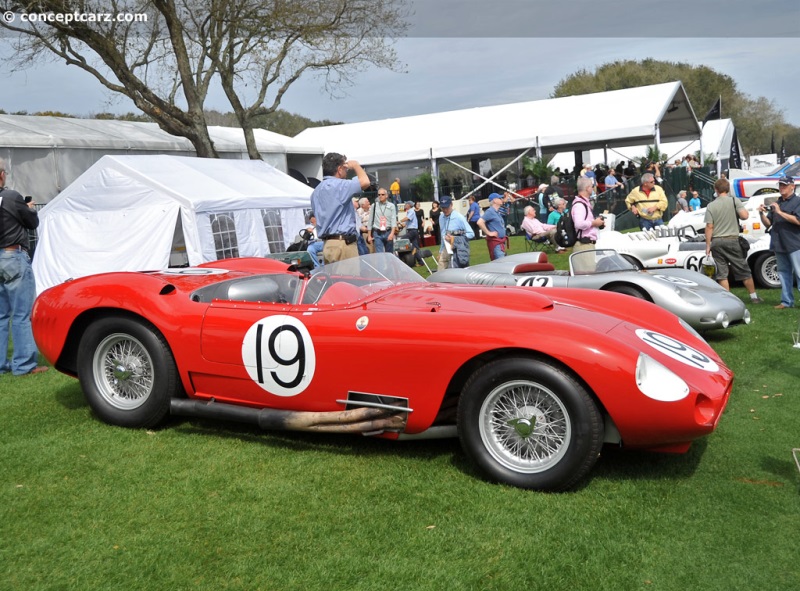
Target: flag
735,159
772,144
782,157
714,112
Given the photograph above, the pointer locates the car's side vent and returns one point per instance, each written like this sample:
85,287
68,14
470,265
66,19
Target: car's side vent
167,289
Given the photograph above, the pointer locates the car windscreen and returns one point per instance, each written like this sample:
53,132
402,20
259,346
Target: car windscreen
588,262
368,273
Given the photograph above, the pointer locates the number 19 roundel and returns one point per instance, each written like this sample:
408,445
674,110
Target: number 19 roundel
279,356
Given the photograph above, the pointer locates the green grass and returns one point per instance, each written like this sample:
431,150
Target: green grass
202,505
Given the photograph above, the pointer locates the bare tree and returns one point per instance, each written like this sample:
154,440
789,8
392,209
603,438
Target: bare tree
264,47
255,48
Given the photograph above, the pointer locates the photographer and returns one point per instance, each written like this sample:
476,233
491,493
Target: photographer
586,225
783,219
17,284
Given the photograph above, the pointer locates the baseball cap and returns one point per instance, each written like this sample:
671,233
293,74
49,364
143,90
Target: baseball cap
542,186
410,203
445,201
786,180
494,196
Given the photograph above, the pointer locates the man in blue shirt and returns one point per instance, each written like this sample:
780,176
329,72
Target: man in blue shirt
332,202
456,234
473,214
784,218
411,223
494,227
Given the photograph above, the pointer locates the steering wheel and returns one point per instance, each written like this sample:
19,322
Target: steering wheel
315,287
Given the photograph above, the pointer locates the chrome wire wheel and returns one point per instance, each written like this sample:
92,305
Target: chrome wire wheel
123,371
525,426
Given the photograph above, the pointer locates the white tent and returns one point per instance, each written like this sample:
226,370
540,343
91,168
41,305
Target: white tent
716,139
627,117
133,213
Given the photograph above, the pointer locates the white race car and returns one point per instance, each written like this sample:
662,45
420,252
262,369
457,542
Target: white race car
667,247
752,228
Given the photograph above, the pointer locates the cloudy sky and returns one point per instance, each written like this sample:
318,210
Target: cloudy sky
468,53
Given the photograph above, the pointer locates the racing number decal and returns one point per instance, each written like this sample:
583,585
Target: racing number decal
535,281
677,350
278,355
676,280
692,262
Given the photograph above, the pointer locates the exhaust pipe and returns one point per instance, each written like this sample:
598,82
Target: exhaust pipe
363,420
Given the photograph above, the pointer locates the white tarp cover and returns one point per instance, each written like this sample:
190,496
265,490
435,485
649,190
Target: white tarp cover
121,214
619,117
717,136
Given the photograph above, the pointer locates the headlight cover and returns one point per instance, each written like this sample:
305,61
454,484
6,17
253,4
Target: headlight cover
656,381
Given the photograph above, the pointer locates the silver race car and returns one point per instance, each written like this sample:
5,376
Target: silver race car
695,298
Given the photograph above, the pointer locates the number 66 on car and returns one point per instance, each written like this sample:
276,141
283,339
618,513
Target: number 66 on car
533,390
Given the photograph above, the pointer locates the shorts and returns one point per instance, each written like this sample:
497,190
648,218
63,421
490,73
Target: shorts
728,256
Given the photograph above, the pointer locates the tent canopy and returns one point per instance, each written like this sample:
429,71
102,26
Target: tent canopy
717,137
133,213
615,118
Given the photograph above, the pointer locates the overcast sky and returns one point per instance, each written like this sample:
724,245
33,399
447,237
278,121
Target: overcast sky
514,52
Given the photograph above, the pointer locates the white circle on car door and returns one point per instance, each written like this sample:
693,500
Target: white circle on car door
279,356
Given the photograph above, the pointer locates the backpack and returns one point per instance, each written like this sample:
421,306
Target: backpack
566,235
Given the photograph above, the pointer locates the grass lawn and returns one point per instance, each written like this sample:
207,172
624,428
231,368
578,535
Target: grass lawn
201,505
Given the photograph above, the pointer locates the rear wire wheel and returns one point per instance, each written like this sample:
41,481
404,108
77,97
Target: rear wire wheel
127,372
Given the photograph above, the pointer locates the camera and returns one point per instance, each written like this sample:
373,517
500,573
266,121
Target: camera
28,199
603,225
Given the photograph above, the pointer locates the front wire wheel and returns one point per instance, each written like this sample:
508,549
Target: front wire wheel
528,423
525,427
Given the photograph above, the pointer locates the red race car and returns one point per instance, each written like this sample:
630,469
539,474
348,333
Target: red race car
533,382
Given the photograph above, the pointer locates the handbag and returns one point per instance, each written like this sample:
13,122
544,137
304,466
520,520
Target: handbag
744,243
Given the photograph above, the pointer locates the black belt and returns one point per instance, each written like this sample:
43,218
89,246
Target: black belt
348,238
586,241
338,237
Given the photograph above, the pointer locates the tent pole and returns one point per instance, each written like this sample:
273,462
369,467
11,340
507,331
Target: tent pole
435,175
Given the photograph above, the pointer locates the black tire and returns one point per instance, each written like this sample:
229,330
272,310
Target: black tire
497,433
127,372
628,290
633,261
765,270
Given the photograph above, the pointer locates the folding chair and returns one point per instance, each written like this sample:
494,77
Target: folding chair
537,244
425,254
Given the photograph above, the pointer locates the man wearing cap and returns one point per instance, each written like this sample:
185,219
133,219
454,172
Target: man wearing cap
382,223
332,202
455,236
783,217
411,222
494,227
544,202
647,202
473,214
